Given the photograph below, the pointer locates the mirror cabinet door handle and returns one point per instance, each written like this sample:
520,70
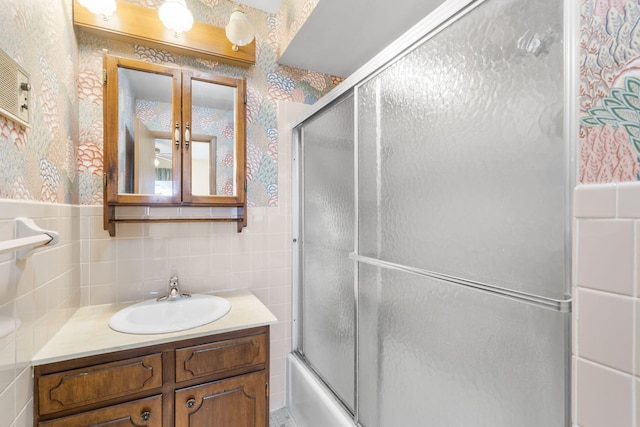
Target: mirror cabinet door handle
187,135
176,134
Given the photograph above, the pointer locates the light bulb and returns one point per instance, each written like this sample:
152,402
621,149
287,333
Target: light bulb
175,16
238,30
104,8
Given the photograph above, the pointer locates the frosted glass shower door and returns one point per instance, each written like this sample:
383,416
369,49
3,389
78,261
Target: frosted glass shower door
328,300
437,355
462,226
462,162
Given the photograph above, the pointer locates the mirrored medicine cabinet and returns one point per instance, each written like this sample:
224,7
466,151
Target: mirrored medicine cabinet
173,137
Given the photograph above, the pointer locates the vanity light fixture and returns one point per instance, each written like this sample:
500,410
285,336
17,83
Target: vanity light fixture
239,30
175,16
104,8
137,24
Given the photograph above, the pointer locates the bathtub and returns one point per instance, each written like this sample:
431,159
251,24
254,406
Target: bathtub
309,402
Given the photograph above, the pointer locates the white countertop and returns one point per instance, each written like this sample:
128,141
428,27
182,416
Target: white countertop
87,333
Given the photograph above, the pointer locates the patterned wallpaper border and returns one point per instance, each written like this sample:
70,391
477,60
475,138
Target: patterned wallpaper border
609,91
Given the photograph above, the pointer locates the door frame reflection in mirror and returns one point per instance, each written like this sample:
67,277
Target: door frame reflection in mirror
211,159
238,131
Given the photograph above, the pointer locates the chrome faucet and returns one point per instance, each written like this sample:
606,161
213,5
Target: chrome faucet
174,291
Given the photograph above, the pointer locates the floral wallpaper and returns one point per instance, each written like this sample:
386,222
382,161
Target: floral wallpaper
267,82
609,147
59,158
39,162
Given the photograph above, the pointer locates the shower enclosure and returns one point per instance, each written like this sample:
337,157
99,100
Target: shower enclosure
432,237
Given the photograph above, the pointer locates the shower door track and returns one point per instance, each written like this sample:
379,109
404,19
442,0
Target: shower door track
562,306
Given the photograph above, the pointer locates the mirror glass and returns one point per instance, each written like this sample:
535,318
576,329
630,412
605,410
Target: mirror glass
144,133
145,151
213,137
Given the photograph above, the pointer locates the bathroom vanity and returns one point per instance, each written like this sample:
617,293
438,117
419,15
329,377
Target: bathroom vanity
213,375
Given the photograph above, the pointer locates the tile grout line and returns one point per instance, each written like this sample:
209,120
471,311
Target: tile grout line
574,325
634,387
634,292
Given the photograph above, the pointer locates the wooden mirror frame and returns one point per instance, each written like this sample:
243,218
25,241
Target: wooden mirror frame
182,197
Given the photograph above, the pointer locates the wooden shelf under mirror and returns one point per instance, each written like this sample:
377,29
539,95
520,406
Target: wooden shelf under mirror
111,219
172,137
134,23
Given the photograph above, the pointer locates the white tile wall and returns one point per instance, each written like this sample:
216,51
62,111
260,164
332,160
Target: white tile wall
605,254
595,201
41,292
606,328
606,360
604,396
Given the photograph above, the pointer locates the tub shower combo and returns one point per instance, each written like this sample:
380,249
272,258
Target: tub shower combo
432,249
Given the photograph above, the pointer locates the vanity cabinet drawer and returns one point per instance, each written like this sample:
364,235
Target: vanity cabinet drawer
139,413
221,357
78,387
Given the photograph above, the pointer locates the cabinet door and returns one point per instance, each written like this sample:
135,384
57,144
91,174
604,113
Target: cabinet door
213,162
236,402
143,132
140,413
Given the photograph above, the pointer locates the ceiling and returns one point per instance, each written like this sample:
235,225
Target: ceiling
340,36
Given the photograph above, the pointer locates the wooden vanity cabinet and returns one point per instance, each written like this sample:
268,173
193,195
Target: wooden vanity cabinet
218,380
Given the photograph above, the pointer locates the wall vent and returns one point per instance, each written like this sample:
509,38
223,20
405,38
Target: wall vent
14,90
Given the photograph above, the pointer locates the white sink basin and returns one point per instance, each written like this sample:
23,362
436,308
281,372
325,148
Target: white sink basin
159,317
